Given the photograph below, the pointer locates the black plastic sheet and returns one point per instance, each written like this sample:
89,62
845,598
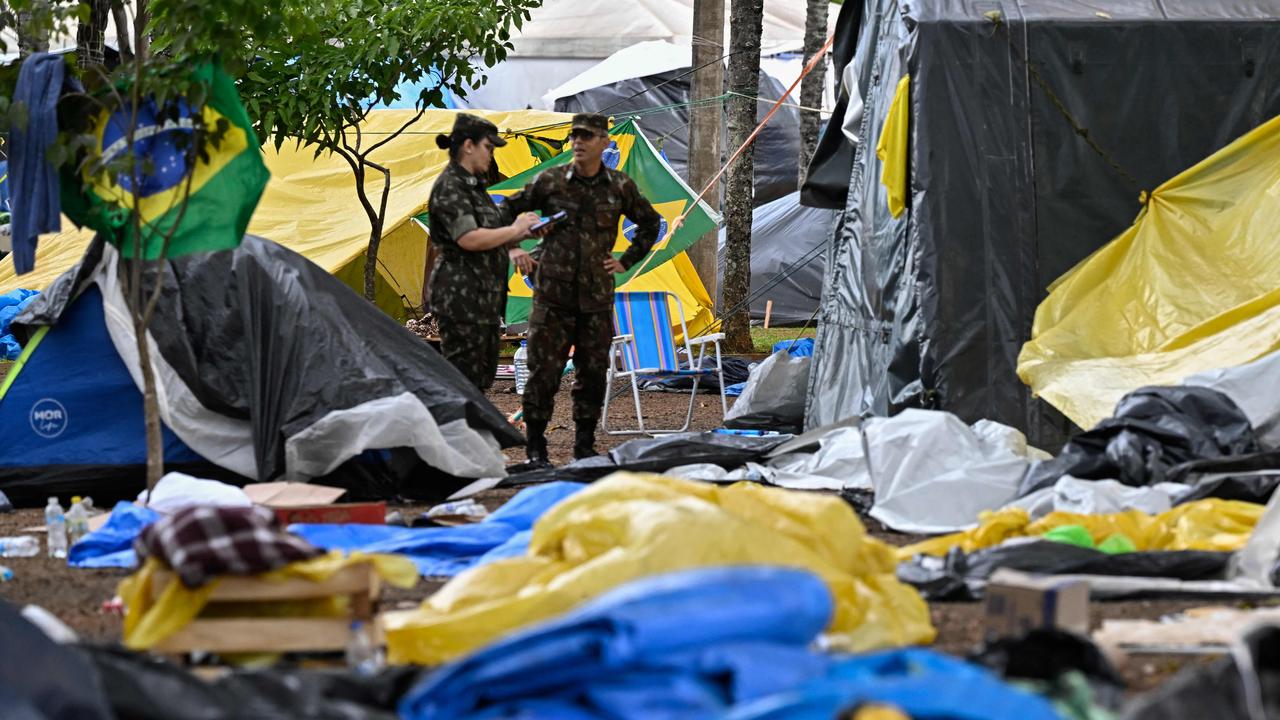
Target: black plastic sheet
1153,430
1046,655
42,680
657,455
141,687
963,576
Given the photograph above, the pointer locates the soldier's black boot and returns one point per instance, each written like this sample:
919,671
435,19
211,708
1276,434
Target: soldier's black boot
536,447
584,445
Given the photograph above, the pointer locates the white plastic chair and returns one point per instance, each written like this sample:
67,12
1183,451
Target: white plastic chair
644,347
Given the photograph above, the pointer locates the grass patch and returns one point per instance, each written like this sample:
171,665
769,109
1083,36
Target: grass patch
763,340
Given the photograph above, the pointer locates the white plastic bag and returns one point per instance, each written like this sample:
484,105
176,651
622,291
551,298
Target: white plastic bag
775,392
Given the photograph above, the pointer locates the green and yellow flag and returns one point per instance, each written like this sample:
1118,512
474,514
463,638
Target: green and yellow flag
631,152
221,187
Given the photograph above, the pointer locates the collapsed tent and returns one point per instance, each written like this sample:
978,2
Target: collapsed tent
667,267
267,367
310,204
788,259
1191,286
660,99
1000,194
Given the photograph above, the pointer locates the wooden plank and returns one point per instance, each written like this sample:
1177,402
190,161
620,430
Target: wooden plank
348,581
229,635
768,313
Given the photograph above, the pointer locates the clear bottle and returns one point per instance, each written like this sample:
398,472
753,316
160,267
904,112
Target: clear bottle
55,521
363,656
522,366
19,546
77,521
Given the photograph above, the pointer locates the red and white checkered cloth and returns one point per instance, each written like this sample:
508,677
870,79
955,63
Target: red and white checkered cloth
203,542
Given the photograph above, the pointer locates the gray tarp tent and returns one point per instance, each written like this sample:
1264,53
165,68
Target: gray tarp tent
932,308
777,149
788,244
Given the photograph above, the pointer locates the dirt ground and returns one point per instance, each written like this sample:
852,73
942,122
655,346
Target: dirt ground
77,596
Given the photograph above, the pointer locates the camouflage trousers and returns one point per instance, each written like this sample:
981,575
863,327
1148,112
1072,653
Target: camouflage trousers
552,331
472,348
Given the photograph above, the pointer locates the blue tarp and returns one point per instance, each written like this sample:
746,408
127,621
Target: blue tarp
12,303
112,544
447,551
719,642
923,684
682,645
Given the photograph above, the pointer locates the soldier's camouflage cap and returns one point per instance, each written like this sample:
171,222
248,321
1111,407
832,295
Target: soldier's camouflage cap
471,126
591,122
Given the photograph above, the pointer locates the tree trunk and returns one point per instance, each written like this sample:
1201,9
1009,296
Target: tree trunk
122,31
377,219
746,18
815,36
705,127
29,42
91,35
150,404
141,40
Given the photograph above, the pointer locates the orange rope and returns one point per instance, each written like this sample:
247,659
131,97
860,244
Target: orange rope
813,62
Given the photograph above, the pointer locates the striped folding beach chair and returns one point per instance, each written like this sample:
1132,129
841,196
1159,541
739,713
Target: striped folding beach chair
645,348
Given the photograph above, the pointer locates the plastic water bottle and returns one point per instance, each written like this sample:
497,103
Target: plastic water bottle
522,366
362,655
77,521
5,574
19,546
55,522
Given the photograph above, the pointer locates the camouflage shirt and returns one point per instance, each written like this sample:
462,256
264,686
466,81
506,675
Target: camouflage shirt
465,284
571,271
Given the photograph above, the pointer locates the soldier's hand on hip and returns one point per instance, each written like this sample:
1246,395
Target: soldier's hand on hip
523,261
612,265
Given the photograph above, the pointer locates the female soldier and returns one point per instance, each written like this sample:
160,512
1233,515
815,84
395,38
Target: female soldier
468,286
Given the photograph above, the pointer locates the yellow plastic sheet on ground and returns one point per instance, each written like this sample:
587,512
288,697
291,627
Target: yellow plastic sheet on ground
629,526
892,147
150,620
1192,286
1212,524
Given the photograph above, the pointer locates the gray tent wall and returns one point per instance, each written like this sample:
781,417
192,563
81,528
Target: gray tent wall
788,255
931,309
777,149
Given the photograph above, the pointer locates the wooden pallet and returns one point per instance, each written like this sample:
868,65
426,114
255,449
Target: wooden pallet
230,634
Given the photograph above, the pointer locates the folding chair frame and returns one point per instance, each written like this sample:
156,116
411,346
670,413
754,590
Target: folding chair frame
618,365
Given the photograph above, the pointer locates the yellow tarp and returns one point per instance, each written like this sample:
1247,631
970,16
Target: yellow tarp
1193,285
148,621
1212,524
892,148
629,526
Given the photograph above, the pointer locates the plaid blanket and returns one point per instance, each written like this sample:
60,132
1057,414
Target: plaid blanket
203,542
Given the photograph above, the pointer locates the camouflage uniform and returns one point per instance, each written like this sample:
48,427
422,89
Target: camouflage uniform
572,291
468,289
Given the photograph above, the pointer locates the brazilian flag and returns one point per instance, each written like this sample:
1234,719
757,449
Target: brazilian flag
631,152
224,183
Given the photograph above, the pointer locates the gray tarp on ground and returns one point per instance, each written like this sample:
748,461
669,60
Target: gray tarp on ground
788,256
931,309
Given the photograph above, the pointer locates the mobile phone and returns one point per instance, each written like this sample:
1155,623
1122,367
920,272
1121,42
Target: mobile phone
549,221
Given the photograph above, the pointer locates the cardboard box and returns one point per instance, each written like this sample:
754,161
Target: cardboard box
1017,602
307,503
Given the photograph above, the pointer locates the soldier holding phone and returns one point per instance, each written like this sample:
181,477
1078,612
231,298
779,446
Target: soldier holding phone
573,284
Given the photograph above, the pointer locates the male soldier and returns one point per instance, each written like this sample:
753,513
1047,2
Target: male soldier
469,283
573,284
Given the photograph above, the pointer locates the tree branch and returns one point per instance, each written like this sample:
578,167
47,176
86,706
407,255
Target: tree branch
396,134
